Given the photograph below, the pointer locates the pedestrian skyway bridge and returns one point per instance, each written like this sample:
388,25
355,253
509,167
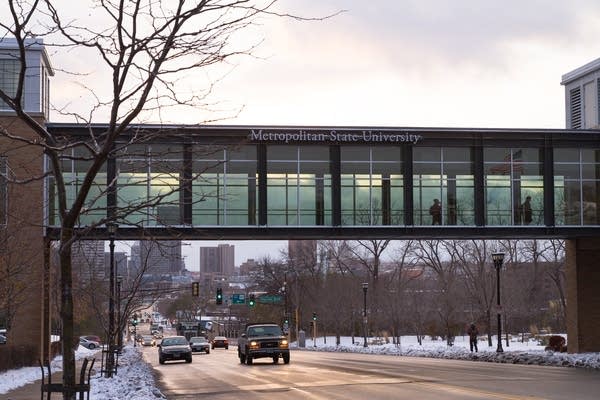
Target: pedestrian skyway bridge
253,182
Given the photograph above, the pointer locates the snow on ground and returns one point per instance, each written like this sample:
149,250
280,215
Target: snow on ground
517,352
135,380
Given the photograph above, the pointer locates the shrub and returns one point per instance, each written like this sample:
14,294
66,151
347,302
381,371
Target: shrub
556,343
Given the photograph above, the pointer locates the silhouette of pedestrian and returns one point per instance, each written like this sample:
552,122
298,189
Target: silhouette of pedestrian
526,210
473,332
436,212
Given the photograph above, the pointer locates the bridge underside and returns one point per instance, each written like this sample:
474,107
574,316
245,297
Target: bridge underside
331,233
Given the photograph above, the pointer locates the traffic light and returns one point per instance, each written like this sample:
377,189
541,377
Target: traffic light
314,316
134,320
219,298
196,289
251,301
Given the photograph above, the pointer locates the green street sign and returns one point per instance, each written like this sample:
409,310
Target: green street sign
270,299
238,298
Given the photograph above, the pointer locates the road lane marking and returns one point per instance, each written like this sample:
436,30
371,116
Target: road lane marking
475,392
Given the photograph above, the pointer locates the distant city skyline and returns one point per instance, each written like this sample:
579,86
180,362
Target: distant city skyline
244,250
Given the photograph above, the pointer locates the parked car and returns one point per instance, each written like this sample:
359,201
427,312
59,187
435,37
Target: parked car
89,344
200,343
174,348
148,340
93,338
220,341
2,339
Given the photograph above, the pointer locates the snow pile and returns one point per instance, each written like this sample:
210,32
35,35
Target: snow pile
517,353
134,379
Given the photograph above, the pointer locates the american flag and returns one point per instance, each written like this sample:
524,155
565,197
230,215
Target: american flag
504,167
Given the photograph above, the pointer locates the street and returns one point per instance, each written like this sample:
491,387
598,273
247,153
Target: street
323,375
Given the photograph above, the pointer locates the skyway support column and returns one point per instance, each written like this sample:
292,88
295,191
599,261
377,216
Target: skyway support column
583,295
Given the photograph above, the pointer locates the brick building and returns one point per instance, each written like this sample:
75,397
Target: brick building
22,246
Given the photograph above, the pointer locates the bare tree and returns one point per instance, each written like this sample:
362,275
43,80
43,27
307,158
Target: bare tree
439,257
555,257
145,47
473,258
396,285
340,256
369,253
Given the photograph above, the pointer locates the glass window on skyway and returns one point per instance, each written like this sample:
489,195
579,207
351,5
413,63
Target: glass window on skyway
224,182
298,185
443,182
75,163
514,190
576,186
144,174
372,185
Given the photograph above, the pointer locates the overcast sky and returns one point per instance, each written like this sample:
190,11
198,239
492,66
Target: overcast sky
459,63
455,63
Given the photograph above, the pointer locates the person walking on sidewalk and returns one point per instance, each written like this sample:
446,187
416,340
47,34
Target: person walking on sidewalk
473,333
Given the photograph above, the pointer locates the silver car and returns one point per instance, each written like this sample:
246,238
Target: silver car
148,340
88,344
200,343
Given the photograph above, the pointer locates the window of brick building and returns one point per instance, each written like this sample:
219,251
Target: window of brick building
9,77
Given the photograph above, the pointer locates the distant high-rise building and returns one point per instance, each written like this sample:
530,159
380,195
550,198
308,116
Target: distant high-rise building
247,266
302,250
121,265
91,262
217,261
161,257
88,261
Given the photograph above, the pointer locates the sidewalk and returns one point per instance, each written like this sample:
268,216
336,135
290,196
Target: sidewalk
29,392
33,390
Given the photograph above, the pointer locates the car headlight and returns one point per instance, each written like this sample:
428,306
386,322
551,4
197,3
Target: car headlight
283,344
254,345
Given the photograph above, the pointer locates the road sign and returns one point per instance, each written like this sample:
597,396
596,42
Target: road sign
270,299
238,298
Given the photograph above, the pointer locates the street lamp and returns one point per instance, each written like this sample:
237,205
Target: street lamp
111,228
119,322
365,287
498,259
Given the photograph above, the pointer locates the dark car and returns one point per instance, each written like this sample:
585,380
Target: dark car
263,340
2,339
174,348
220,341
200,343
